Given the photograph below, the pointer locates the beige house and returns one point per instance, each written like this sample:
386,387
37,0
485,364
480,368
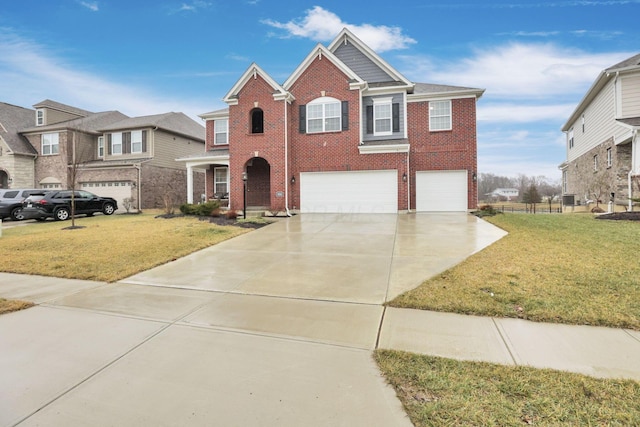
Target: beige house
603,148
113,155
16,154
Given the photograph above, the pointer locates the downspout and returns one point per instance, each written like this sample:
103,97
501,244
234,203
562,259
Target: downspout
634,155
286,157
409,181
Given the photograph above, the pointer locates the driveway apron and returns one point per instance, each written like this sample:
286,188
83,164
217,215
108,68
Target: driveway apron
274,327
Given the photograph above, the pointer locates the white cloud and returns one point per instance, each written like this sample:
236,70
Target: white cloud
93,6
522,113
322,25
30,73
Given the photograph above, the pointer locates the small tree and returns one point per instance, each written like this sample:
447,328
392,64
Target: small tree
532,196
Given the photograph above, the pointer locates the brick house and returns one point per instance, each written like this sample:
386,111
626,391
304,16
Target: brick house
114,155
346,132
602,143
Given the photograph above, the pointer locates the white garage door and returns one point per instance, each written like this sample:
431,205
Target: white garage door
349,192
116,189
441,191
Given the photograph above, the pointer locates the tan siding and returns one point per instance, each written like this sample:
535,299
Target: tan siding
55,116
630,95
20,168
168,147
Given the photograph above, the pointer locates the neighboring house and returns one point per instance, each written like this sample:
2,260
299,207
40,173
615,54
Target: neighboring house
114,155
16,154
504,193
603,149
346,132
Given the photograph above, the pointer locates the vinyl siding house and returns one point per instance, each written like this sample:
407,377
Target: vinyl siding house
16,154
346,132
114,155
602,143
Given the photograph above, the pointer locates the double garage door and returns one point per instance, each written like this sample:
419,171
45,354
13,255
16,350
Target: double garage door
377,191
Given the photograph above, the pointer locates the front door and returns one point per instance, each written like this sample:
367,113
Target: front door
258,183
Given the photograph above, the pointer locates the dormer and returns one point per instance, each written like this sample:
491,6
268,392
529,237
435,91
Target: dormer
50,112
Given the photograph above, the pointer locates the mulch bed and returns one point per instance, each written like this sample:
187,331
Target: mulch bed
621,216
218,220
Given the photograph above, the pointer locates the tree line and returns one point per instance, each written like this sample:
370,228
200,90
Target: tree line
531,189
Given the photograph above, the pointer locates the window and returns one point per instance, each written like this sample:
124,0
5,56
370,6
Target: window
582,120
221,132
439,115
564,181
50,144
220,182
382,116
570,137
39,117
136,141
324,115
101,146
257,121
595,162
116,143
609,158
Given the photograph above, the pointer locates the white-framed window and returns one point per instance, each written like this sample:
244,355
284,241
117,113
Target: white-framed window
595,162
570,137
439,115
609,157
116,143
221,181
50,144
382,114
39,117
221,132
582,121
324,115
136,141
101,146
564,181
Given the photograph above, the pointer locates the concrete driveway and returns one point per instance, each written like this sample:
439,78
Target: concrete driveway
274,327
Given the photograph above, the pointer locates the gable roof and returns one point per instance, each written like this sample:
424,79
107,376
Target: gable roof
12,120
628,65
47,103
253,71
88,124
177,123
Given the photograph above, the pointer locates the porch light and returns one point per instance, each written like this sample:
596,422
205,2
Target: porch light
474,177
404,177
293,179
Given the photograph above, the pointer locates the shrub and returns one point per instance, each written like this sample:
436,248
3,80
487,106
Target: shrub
486,210
203,209
127,203
231,214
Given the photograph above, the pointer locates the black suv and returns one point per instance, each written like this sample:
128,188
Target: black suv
11,202
57,205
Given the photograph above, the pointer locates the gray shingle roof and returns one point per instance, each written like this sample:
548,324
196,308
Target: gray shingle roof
12,120
178,123
629,62
631,121
427,88
47,103
90,124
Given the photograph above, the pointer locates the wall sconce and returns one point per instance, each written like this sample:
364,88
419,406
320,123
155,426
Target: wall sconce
134,185
404,177
474,177
9,180
293,179
244,176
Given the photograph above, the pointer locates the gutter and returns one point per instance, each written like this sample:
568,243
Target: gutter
286,157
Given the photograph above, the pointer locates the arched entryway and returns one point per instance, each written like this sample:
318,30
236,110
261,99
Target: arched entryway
258,183
4,179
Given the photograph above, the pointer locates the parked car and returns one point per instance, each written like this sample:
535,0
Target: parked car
57,205
11,201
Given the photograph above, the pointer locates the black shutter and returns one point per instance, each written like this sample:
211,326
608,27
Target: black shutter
144,141
345,115
395,114
369,118
126,142
303,119
108,143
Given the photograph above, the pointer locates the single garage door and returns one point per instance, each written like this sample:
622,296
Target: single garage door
441,191
116,189
349,192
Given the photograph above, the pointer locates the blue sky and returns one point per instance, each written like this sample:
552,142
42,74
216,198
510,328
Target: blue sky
536,60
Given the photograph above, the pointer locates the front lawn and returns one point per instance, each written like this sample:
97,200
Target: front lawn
550,268
107,248
444,392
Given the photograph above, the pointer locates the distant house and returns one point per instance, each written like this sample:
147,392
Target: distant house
112,154
504,194
345,132
602,142
16,154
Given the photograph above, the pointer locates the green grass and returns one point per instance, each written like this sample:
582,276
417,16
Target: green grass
107,248
550,268
444,392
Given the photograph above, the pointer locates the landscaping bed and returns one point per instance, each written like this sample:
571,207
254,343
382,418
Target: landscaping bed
621,216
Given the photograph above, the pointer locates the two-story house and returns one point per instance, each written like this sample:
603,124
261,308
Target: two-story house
346,132
16,154
603,152
110,154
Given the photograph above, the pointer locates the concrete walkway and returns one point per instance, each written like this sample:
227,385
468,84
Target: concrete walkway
274,327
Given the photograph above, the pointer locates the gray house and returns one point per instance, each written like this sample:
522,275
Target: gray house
603,146
106,153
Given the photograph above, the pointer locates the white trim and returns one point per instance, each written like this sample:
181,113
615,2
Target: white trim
380,102
450,115
442,96
252,72
215,179
323,53
216,132
381,149
136,132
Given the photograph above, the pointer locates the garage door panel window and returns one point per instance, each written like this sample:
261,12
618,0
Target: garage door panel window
439,115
